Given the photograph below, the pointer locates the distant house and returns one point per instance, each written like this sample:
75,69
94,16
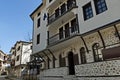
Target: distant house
3,62
77,39
20,56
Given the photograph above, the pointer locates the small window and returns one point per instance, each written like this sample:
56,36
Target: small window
30,47
83,56
18,58
87,11
76,59
39,14
63,8
61,33
13,53
38,22
57,12
100,6
38,38
97,52
50,1
18,48
73,26
22,67
62,61
67,30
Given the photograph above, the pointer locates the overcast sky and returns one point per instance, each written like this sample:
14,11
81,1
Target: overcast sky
15,23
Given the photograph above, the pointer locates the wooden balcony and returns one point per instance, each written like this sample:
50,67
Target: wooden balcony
69,32
64,9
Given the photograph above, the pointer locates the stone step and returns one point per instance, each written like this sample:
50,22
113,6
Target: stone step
70,77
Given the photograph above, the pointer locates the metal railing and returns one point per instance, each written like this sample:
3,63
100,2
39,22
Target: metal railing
63,35
60,12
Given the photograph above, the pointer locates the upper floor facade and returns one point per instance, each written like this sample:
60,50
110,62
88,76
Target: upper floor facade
3,61
21,53
3,56
61,20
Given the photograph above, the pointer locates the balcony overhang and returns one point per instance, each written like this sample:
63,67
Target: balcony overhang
63,17
61,20
54,4
61,44
44,53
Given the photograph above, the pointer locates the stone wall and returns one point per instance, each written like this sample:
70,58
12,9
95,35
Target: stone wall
99,78
55,72
105,68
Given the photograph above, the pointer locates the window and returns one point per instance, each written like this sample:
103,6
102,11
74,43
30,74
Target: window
61,35
38,38
100,6
83,56
30,47
73,26
62,62
4,57
18,58
63,8
39,14
22,67
57,12
97,52
38,22
87,11
13,53
50,1
67,31
18,48
76,60
70,4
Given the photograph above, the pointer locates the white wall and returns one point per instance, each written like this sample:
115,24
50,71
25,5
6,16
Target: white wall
18,53
43,33
26,52
110,15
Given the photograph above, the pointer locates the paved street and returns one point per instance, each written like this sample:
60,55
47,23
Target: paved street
3,78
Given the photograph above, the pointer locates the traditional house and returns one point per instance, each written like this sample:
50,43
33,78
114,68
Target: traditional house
20,56
77,39
3,62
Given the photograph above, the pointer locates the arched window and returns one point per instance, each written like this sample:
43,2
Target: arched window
60,59
83,56
96,52
62,62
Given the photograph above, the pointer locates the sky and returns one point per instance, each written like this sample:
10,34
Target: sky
15,22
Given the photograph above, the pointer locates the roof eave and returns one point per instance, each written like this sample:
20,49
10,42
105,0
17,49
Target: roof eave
35,10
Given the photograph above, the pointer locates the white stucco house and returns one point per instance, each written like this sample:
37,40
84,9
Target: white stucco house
77,39
20,56
3,62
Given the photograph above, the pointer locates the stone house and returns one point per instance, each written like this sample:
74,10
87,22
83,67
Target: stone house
77,39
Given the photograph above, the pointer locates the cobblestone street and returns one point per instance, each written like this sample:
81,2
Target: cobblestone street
2,78
8,78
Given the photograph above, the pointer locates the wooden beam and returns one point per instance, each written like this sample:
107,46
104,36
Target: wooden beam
52,54
53,58
46,55
101,37
85,44
117,32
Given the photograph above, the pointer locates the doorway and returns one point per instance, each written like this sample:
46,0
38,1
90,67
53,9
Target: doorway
71,64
